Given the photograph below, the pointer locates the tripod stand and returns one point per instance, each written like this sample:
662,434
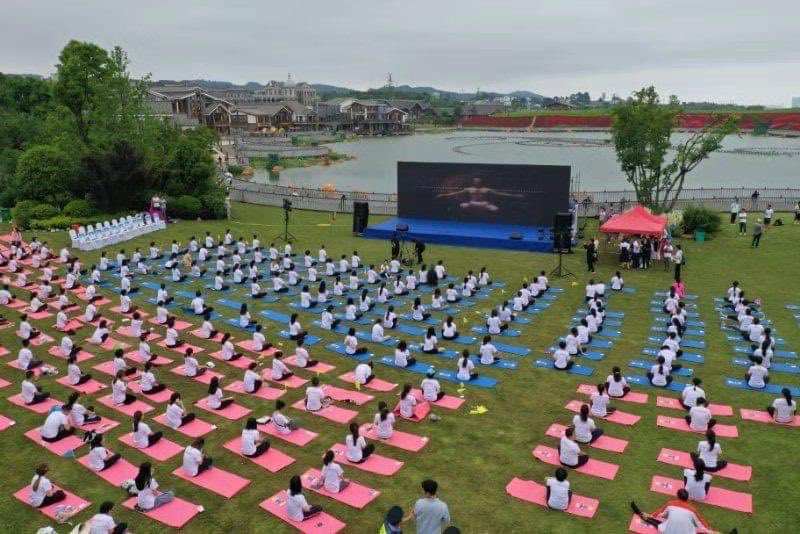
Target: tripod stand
286,235
560,271
561,243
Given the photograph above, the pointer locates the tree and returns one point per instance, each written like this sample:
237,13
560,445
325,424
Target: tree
117,180
642,129
45,173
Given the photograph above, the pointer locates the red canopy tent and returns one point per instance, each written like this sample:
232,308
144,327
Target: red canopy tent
636,221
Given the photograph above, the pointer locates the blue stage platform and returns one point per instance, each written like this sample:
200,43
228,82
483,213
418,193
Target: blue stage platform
534,238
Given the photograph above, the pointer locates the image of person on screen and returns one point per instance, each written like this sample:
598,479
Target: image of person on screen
477,198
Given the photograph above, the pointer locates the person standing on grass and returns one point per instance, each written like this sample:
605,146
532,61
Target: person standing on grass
734,209
678,259
430,513
591,255
742,221
758,229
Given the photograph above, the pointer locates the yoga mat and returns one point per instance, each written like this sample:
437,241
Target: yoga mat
292,382
273,460
338,348
778,367
593,467
309,340
230,303
765,417
621,418
367,336
731,500
264,392
679,423
60,447
161,450
300,436
687,332
182,348
775,389
689,357
126,331
376,464
247,344
604,442
275,316
600,343
605,332
535,493
321,523
81,357
418,367
176,513
482,381
114,475
193,429
87,388
6,423
205,378
354,494
128,409
4,383
320,367
376,384
41,407
409,317
269,299
588,354
641,364
448,401
134,357
331,412
161,396
742,473
716,409
512,349
505,333
243,362
776,353
420,412
346,395
235,324
71,500
215,480
640,380
575,369
232,412
398,439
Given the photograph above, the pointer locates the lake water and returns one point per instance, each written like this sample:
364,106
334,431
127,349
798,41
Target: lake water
747,161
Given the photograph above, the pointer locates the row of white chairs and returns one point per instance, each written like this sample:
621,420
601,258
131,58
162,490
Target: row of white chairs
107,233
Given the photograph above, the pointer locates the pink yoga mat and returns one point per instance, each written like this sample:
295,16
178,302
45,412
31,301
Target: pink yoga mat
205,378
182,348
716,409
193,429
346,395
59,447
4,383
81,357
175,513
332,413
114,475
179,325
129,409
621,418
103,425
637,398
300,437
38,341
354,494
240,363
162,450
198,333
72,324
377,464
376,384
273,460
247,344
5,422
678,423
118,309
321,523
4,352
292,382
50,511
134,357
732,500
40,315
319,368
161,396
108,369
231,412
37,371
764,417
742,473
535,493
639,526
126,331
40,407
401,440
448,402
111,344
264,392
593,467
87,388
605,443
216,480
421,411
16,304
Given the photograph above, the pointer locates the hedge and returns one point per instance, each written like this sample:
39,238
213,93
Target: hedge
44,211
185,207
695,217
79,208
23,212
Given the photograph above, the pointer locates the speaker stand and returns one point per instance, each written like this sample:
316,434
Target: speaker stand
560,271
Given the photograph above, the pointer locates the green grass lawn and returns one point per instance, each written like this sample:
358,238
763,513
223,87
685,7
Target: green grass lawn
473,457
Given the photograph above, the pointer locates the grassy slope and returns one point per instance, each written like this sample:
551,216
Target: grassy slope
473,457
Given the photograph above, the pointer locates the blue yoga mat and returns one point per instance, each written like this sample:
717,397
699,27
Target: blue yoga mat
589,354
547,297
308,340
500,364
463,303
272,315
793,306
461,340
660,312
745,349
689,322
628,290
190,312
338,348
154,302
512,349
505,333
481,382
641,364
411,330
230,303
685,297
152,285
575,370
235,323
367,336
360,320
775,366
691,343
533,310
443,353
408,317
418,367
600,343
516,320
186,281
690,357
269,299
688,332
313,309
189,295
340,328
575,320
211,288
605,332
774,389
640,380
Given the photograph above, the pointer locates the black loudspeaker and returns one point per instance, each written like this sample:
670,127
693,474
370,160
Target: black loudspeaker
360,216
516,236
401,228
562,223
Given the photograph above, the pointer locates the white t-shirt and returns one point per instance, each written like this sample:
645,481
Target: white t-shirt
384,428
757,374
784,412
355,448
295,505
314,396
55,420
560,357
493,324
659,379
430,389
583,429
118,391
700,416
429,343
36,498
278,369
102,524
488,352
249,380
616,283
599,404
97,458
146,498
401,357
465,371
407,405
192,458
142,435
569,451
696,488
679,520
559,493
449,330
690,394
362,372
709,454
332,475
249,439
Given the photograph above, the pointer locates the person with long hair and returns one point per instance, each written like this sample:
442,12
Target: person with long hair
215,398
699,417
103,523
585,429
195,460
383,422
449,328
332,477
148,497
357,448
253,445
75,376
283,425
57,425
79,414
297,508
295,328
599,402
143,435
616,385
176,414
119,391
494,325
147,381
783,408
431,388
390,318
227,350
42,492
101,458
696,481
191,367
465,369
659,374
407,402
418,312
709,451
351,343
402,356
315,399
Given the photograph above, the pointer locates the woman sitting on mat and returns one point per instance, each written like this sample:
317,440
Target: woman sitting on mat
143,436
449,328
558,493
708,452
407,402
757,376
315,399
351,312
365,303
465,368
332,476
279,369
691,394
573,345
431,389
259,341
215,398
283,425
100,334
430,344
390,318
297,508
148,383
119,391
659,374
245,319
301,356
402,357
295,328
305,299
327,320
176,414
148,497
383,293
252,380
75,376
418,312
195,461
599,402
383,422
191,367
699,417
561,358
57,425
253,445
585,429
101,458
322,293
351,347
437,303
617,283
505,313
79,414
494,325
172,338
569,453
42,492
357,449
783,409
364,373
696,481
228,350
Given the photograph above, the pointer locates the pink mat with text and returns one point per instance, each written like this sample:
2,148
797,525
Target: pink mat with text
604,442
678,423
621,418
354,494
87,388
331,412
535,493
193,429
376,464
127,409
231,412
321,523
300,437
273,460
376,384
742,473
176,513
216,480
58,447
114,475
764,417
321,367
593,467
346,395
632,396
50,511
264,392
717,410
40,407
161,450
401,440
731,500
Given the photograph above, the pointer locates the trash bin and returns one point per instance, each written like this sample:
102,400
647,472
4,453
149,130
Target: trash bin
699,234
5,215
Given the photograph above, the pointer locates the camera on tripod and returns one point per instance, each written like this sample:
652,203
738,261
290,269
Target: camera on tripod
287,205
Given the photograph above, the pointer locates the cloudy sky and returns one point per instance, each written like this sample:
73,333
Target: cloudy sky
725,51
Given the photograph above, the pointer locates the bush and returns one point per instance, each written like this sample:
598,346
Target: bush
235,170
695,217
23,212
61,222
44,211
185,207
213,205
8,198
79,208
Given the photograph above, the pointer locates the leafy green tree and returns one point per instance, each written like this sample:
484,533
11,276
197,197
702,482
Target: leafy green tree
118,179
642,129
46,173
